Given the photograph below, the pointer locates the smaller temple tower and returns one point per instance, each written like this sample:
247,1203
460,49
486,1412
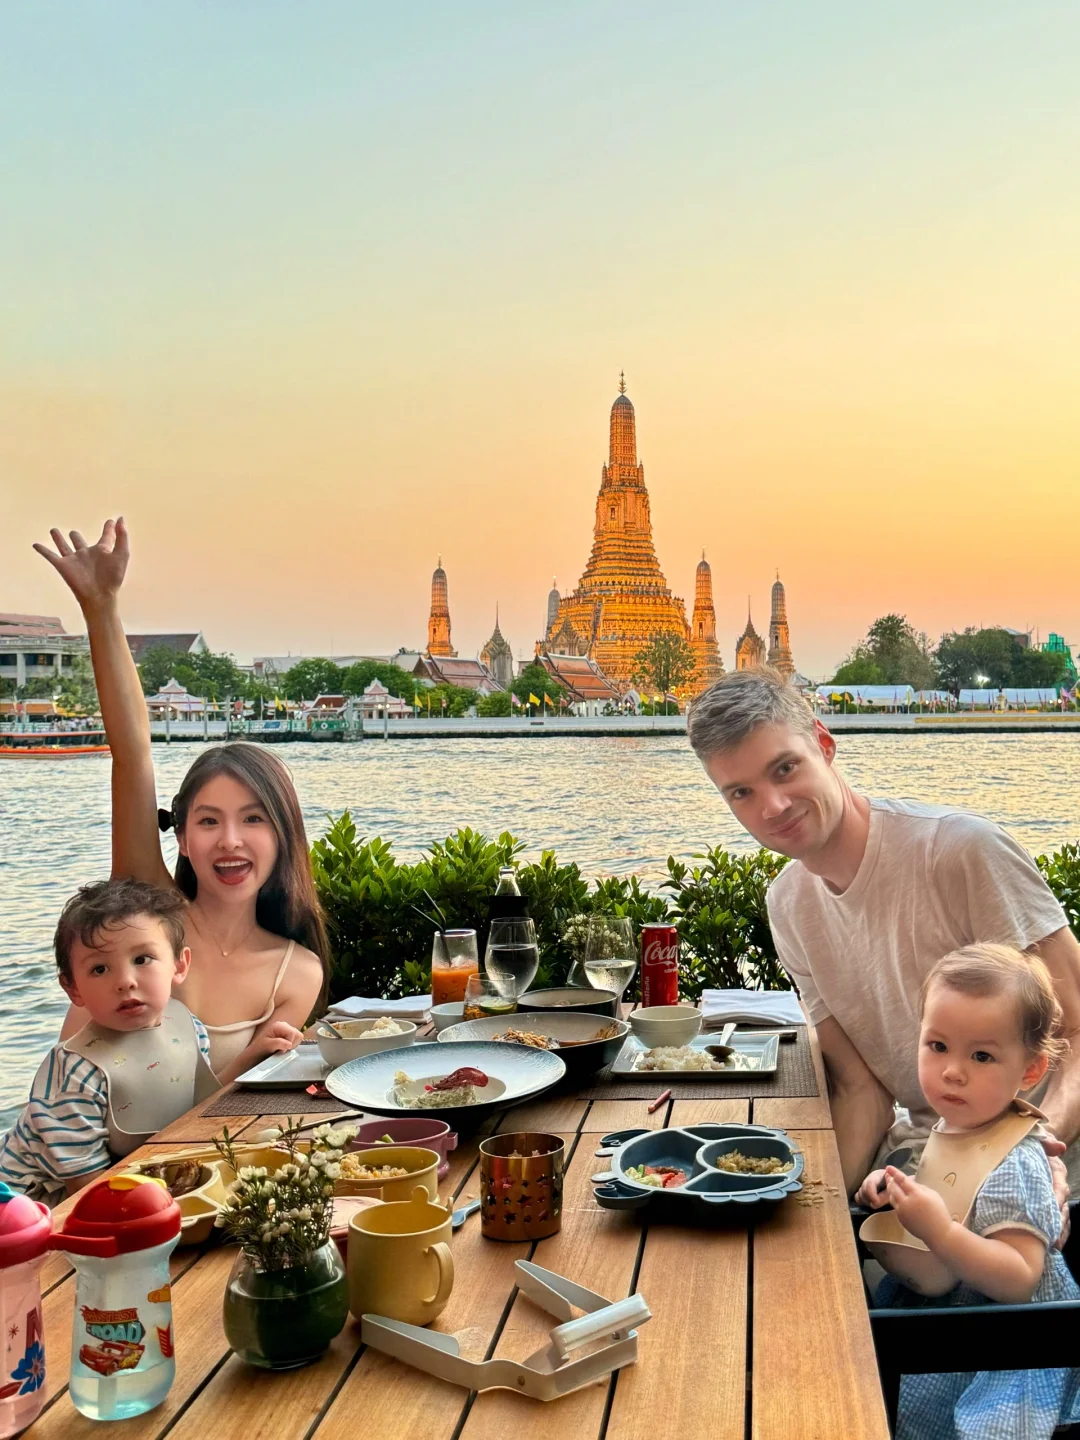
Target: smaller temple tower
438,625
554,600
750,647
779,637
709,666
498,656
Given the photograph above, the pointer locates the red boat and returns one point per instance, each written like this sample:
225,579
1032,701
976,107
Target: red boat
51,744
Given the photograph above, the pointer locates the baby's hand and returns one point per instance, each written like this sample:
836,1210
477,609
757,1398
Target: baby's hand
871,1193
921,1211
278,1037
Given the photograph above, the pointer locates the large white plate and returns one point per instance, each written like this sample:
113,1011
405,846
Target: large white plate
516,1073
300,1067
763,1048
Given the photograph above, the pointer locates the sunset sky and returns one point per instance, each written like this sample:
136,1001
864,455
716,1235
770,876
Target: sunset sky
314,293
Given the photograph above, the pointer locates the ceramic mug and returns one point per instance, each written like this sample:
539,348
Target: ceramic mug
399,1260
422,1166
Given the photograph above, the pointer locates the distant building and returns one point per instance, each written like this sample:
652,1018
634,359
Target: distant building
190,643
708,666
750,647
498,656
587,687
554,601
460,674
779,656
37,647
438,629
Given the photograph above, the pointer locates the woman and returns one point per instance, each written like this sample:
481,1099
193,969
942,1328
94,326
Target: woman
254,926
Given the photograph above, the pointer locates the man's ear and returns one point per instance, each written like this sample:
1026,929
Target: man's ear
71,990
826,743
1034,1073
183,964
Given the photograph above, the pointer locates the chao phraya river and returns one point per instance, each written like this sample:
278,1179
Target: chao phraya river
615,805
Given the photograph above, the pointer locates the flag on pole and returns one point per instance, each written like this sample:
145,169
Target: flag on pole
547,699
563,701
514,700
534,699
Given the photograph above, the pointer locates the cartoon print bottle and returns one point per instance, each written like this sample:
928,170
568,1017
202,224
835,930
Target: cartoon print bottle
24,1237
119,1236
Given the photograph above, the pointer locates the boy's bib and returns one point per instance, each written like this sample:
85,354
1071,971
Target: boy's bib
955,1166
153,1075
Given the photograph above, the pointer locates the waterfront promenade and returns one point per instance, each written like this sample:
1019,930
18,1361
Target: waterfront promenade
473,727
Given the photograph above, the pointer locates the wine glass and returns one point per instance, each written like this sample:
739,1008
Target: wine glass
512,957
610,953
483,999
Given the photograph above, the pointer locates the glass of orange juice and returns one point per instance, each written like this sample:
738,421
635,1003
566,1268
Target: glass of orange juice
454,957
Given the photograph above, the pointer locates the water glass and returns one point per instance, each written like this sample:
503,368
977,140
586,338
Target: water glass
512,957
482,999
610,953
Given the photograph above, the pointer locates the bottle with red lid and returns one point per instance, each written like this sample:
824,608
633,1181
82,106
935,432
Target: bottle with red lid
119,1235
25,1226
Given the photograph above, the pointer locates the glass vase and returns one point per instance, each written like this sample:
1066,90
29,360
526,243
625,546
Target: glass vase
279,1319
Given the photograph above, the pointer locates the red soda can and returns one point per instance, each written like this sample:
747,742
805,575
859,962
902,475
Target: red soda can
659,965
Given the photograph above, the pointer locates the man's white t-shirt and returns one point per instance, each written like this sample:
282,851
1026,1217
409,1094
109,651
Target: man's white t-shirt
932,879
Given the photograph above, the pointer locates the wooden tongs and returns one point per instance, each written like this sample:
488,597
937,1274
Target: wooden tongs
577,1353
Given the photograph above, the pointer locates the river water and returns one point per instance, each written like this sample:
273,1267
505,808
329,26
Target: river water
616,806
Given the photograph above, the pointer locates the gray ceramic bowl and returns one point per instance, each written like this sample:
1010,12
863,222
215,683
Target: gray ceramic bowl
582,1057
571,997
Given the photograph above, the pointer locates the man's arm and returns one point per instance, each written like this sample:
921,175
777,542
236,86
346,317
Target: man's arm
862,1109
1060,953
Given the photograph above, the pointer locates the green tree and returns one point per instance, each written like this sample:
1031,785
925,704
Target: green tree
892,653
157,667
356,678
963,657
1041,668
860,668
446,701
667,663
78,692
494,706
308,679
535,680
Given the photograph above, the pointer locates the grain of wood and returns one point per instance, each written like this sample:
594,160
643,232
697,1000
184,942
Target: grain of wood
712,1112
557,1116
598,1249
606,1116
794,1113
814,1369
690,1377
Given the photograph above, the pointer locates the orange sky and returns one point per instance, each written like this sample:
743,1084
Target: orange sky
314,309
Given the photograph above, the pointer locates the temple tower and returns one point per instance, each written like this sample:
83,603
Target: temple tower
498,656
622,600
554,600
779,638
750,647
709,666
438,625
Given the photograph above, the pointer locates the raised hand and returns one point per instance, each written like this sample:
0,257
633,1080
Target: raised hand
921,1211
871,1193
93,573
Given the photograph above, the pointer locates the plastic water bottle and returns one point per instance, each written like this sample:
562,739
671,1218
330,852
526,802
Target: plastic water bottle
119,1236
25,1226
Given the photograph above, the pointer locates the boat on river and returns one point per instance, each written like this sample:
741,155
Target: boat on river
51,744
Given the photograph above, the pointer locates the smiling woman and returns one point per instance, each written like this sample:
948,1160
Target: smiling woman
254,926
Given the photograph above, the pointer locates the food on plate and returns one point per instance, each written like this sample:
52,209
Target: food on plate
738,1164
384,1025
180,1176
450,1092
528,1037
686,1057
660,1177
610,1031
352,1169
385,1140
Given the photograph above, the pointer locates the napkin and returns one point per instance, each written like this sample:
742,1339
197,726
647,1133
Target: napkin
358,1007
750,1007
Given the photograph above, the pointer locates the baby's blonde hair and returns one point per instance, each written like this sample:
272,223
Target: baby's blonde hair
985,969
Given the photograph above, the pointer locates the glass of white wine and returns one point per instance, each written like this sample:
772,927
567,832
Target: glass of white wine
610,953
512,957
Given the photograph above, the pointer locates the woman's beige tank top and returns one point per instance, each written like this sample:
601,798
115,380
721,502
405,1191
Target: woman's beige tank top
228,1041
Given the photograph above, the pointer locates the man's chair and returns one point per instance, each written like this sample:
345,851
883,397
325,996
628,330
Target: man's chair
944,1339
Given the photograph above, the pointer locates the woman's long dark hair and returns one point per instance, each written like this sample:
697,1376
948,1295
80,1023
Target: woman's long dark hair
287,904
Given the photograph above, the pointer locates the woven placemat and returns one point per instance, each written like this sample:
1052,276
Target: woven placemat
242,1100
794,1077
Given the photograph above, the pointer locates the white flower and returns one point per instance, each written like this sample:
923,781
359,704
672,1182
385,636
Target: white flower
320,1131
333,1170
336,1139
284,1228
304,1213
266,1188
318,1159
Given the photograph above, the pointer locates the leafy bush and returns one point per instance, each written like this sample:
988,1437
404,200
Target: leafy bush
1061,871
719,907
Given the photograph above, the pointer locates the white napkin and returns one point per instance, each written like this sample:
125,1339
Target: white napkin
358,1007
750,1007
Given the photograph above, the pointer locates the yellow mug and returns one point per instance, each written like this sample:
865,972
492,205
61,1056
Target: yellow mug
422,1165
399,1260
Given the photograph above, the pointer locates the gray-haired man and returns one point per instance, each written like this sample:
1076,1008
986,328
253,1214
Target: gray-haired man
879,891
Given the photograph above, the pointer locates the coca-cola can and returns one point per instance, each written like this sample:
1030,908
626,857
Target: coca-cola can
659,965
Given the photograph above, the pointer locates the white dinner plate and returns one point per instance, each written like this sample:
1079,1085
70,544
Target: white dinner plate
763,1049
300,1067
515,1073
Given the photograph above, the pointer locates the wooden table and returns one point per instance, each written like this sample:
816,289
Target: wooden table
761,1333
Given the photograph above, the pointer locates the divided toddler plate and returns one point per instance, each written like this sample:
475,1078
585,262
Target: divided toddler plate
762,1050
695,1149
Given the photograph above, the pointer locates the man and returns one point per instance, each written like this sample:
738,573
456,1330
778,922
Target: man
879,890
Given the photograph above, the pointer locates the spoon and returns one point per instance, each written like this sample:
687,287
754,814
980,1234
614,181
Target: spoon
327,1024
722,1050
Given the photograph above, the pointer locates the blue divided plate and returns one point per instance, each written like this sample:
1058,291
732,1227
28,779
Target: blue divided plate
695,1149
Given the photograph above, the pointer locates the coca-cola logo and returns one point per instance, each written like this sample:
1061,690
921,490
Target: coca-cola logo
660,956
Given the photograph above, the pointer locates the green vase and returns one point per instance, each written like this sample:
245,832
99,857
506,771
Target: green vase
279,1319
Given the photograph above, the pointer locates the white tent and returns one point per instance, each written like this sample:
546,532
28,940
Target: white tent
882,697
932,697
978,699
1024,699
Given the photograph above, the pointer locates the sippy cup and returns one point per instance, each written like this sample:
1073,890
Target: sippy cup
25,1225
119,1235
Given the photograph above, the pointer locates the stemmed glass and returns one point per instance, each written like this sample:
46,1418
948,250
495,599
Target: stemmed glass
512,957
610,953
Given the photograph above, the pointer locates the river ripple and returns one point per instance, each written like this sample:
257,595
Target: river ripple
617,806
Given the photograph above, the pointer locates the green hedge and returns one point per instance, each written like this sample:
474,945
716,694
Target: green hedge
378,908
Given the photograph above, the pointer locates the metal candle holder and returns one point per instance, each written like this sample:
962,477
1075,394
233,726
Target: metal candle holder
521,1185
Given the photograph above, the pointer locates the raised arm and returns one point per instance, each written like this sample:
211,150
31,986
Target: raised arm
94,574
